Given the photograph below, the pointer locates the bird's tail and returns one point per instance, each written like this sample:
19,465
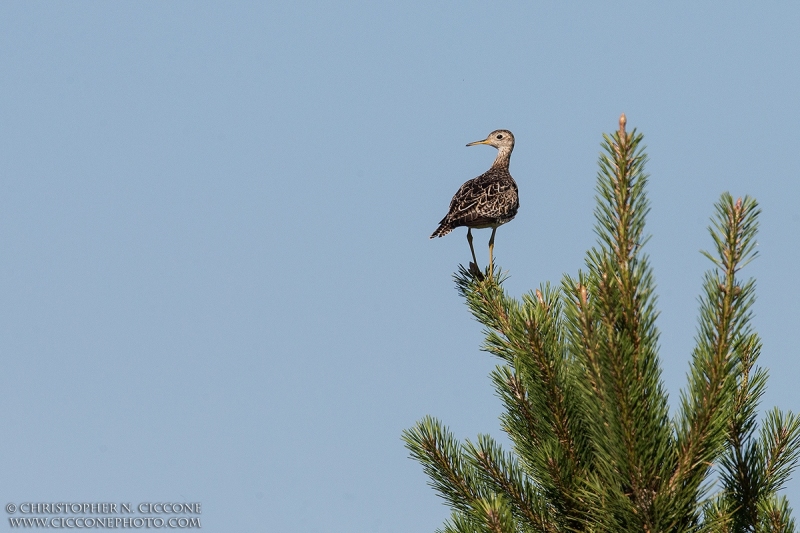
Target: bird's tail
442,230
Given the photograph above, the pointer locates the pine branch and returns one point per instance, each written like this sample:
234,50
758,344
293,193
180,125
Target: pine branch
752,469
440,454
501,472
536,388
488,515
707,406
741,466
776,516
717,516
461,523
780,441
611,317
494,515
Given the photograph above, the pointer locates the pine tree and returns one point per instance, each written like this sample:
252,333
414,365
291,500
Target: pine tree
594,447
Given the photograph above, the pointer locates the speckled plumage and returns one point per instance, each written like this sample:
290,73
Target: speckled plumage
488,201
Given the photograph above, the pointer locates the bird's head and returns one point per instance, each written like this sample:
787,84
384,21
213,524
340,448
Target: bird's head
503,140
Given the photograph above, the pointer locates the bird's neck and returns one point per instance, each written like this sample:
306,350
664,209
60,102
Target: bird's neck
503,158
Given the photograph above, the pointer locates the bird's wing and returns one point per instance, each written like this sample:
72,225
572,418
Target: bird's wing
479,201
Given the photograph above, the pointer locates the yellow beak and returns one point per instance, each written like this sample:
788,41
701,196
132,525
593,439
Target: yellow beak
485,141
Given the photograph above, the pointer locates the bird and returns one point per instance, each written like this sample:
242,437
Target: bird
488,201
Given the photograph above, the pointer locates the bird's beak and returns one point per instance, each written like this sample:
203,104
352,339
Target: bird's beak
485,141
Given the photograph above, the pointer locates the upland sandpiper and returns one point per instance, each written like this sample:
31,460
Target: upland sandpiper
488,201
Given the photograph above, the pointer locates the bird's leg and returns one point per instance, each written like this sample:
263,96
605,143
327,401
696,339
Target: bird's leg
473,267
469,240
491,249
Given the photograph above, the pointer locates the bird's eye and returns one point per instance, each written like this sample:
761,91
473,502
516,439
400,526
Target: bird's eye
499,136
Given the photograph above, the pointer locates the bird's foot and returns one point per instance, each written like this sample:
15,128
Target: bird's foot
475,271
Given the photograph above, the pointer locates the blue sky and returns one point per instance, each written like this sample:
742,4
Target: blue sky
217,281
